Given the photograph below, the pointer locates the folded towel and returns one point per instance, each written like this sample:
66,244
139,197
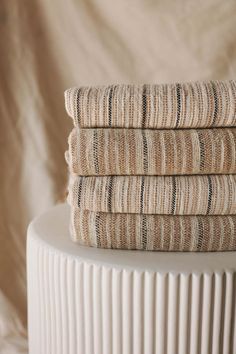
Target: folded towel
187,105
154,232
152,152
176,195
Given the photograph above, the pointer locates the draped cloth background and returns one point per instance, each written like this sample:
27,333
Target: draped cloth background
48,46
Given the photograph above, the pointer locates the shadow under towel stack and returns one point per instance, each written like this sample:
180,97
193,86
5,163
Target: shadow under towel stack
153,167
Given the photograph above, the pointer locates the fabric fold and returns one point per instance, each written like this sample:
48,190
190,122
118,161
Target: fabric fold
174,195
153,232
164,106
152,152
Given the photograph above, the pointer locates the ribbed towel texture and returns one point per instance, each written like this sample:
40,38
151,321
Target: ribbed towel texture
104,152
158,185
187,105
154,232
169,195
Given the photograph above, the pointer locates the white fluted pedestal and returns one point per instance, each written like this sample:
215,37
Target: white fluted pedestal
90,301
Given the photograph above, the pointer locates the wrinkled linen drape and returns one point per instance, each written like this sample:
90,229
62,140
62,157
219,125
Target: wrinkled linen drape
48,46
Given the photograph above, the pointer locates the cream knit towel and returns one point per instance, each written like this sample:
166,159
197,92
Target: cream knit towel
152,152
153,232
176,195
187,105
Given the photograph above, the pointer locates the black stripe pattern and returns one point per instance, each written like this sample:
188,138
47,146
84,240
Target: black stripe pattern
141,196
78,106
215,113
144,105
109,198
110,106
144,231
178,97
209,194
173,195
80,191
202,152
145,152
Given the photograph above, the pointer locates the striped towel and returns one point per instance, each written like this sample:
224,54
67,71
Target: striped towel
152,152
174,195
153,232
187,105
161,187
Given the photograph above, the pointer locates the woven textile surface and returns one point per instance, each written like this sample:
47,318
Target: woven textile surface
176,195
187,105
152,152
153,232
158,185
48,46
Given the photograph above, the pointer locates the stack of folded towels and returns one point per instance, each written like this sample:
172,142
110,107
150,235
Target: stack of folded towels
153,167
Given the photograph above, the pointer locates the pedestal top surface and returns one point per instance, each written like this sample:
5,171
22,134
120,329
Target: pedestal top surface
52,230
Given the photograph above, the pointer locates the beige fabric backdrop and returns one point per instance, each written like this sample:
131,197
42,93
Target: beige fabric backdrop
48,46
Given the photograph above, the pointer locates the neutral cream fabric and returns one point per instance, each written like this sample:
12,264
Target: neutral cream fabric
101,152
165,106
176,195
49,46
153,232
